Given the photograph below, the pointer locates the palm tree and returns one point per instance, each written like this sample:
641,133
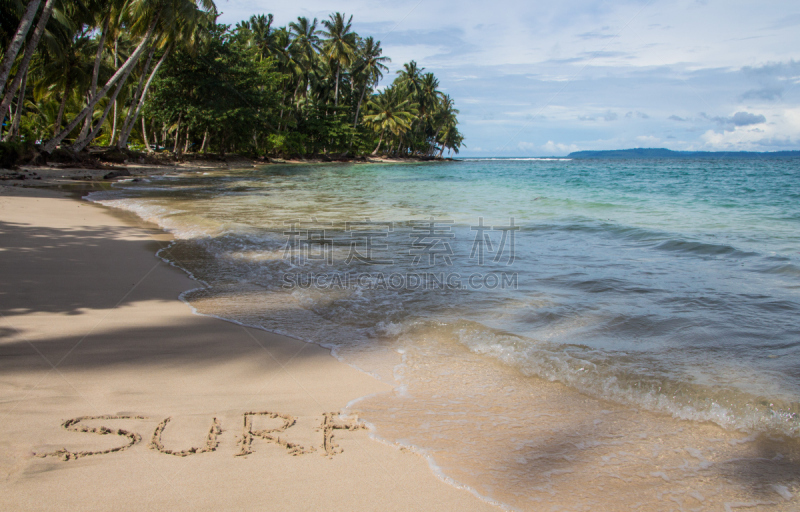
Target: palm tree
304,34
444,121
58,75
428,93
30,49
411,77
188,34
391,111
340,45
99,55
453,140
147,18
370,68
258,32
304,47
15,45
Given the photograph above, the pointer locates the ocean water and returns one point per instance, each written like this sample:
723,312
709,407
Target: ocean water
577,335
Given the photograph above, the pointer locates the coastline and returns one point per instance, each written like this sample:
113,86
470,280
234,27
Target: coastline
93,331
106,168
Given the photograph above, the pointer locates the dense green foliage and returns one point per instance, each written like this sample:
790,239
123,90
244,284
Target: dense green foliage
163,74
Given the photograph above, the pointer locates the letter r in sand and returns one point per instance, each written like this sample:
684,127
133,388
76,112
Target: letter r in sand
269,435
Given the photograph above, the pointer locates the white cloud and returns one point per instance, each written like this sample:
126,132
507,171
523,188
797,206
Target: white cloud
782,132
551,148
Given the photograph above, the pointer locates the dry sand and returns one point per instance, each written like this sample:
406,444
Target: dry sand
114,396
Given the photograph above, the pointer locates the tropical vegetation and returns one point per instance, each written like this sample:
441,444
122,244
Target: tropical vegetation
164,75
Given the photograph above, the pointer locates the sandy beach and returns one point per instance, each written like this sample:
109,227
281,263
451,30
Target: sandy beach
114,396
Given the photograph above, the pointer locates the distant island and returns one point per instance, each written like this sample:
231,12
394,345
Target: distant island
668,153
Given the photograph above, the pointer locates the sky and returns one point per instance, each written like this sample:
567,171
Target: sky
549,78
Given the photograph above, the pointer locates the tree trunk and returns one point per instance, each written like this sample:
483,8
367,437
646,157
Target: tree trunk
87,124
114,126
380,141
144,136
10,117
30,49
13,48
336,93
124,70
81,143
205,141
3,123
177,134
156,140
432,149
294,96
123,137
60,116
14,131
355,122
358,108
130,120
186,147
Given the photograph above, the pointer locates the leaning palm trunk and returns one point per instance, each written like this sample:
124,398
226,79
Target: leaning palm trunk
127,126
114,125
205,141
123,71
380,141
62,107
14,131
125,134
144,136
96,73
13,48
30,49
82,142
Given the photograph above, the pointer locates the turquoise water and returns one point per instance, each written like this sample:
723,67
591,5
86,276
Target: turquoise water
670,286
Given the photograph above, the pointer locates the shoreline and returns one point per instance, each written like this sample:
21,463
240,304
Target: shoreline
101,170
148,358
50,176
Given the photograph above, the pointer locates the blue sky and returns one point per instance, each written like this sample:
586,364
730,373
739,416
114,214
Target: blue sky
547,78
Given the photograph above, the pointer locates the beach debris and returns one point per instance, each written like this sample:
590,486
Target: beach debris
116,174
